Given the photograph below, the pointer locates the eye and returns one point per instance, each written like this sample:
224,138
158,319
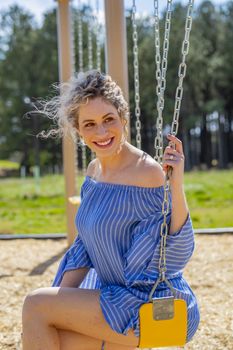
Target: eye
109,119
89,125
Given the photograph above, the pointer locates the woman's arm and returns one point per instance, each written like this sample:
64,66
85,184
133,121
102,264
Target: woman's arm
179,211
74,278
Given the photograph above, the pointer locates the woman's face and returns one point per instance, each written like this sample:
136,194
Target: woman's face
100,126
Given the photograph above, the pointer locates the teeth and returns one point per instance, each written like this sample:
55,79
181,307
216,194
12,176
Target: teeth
104,143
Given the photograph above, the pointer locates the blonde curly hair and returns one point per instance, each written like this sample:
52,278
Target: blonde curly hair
64,108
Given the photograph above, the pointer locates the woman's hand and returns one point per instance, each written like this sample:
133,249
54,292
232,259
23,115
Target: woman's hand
174,157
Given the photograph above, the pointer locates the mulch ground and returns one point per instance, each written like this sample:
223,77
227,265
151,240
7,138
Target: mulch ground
29,264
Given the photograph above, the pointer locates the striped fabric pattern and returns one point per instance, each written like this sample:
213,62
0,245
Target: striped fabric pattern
119,240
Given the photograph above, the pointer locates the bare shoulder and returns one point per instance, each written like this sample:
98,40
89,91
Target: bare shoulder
143,171
151,173
91,168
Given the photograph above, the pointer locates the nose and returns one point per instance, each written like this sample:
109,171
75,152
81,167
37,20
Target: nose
101,130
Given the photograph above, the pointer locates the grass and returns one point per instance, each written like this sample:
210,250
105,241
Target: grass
27,206
7,164
210,198
30,207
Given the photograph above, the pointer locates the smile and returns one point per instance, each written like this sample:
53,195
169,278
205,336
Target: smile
104,144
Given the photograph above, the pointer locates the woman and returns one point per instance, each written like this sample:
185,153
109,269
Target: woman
109,271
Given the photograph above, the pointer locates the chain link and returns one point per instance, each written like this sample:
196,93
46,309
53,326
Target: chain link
136,77
161,70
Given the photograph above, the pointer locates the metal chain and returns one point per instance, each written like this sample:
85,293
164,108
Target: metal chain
84,158
90,48
98,50
73,59
175,124
164,231
161,70
80,39
136,77
90,66
163,234
80,61
182,68
98,47
73,37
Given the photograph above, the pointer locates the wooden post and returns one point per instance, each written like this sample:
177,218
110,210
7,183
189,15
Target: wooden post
68,146
116,45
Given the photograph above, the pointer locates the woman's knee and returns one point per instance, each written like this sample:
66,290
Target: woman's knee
35,303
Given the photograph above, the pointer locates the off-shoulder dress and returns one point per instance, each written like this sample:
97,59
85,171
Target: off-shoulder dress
119,240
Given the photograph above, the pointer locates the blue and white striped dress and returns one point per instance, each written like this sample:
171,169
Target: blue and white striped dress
119,240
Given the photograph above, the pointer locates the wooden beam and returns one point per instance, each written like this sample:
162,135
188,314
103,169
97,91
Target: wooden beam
68,146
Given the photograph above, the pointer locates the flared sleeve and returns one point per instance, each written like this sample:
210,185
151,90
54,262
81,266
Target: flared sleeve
141,260
74,258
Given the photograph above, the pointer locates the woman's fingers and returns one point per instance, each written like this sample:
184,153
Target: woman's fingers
178,143
170,150
171,159
173,155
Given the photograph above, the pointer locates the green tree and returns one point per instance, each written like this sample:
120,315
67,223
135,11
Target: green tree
224,83
28,67
17,33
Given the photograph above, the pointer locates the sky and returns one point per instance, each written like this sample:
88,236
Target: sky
38,7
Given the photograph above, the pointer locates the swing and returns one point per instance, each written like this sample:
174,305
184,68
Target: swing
162,321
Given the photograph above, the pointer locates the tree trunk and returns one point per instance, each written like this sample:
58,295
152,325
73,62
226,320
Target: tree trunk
187,150
229,137
222,144
205,156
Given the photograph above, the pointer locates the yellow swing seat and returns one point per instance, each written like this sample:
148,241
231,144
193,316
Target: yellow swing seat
171,331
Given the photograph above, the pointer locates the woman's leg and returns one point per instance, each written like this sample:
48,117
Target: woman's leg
46,310
74,341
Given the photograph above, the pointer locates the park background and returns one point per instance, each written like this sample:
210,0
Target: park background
29,67
32,191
